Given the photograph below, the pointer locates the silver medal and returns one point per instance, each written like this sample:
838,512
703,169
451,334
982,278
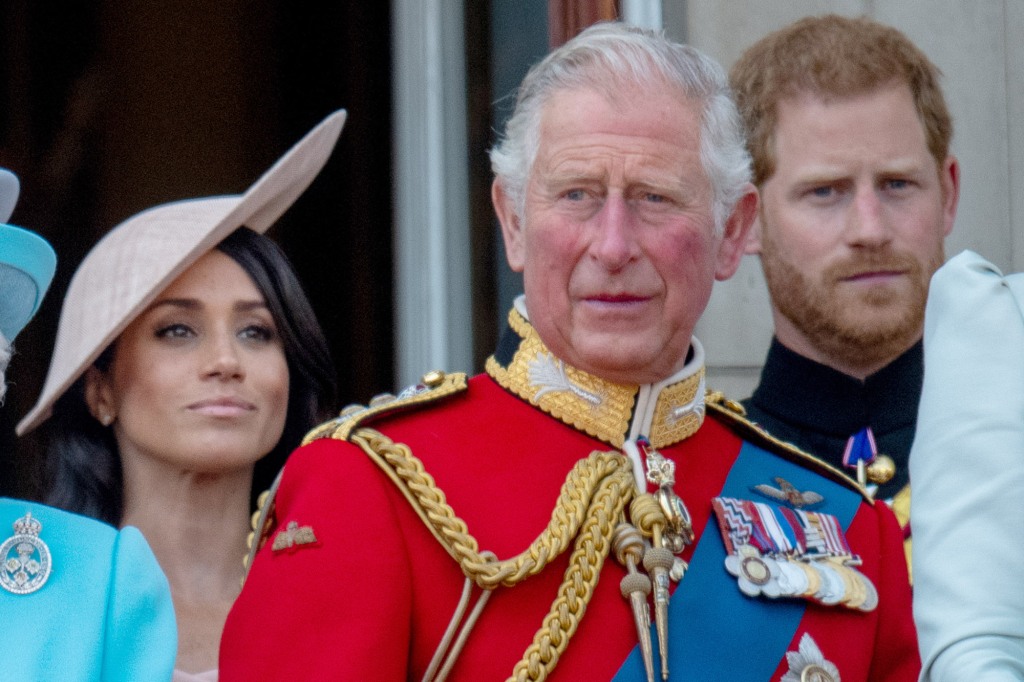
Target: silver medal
832,589
871,602
792,579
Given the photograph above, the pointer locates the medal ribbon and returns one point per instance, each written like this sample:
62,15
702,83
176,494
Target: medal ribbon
800,542
776,531
743,522
860,447
824,534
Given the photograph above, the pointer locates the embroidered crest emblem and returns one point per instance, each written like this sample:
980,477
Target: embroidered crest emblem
26,558
809,665
694,406
787,492
294,536
549,374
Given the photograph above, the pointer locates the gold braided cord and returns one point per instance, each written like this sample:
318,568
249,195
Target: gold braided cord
592,547
645,513
574,500
589,507
382,450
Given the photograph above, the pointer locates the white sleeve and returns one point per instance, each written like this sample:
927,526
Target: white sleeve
967,477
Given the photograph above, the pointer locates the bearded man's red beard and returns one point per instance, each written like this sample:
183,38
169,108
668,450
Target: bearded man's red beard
858,326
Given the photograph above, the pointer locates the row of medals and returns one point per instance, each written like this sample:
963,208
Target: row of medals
828,581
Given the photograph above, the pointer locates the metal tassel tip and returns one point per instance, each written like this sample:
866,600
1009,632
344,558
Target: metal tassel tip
658,561
635,586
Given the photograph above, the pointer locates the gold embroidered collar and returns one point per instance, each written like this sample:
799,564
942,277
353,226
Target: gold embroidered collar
666,412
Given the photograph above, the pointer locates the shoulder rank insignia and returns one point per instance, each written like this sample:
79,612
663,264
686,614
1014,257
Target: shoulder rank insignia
433,386
294,536
734,417
809,664
718,399
783,552
24,558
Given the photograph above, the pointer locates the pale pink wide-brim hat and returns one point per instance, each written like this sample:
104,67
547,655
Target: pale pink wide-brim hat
129,267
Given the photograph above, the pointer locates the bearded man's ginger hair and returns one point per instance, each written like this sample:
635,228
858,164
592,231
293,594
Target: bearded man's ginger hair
833,57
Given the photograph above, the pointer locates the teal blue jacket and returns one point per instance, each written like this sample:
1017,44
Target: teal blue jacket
104,613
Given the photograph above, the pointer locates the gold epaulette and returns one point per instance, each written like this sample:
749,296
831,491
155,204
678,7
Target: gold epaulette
432,387
735,417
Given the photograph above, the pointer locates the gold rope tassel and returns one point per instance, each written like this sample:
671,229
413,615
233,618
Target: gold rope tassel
650,518
592,547
590,505
635,586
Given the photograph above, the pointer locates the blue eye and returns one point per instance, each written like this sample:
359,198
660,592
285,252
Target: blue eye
575,195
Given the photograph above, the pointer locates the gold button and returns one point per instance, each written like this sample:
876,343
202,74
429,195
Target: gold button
433,379
881,470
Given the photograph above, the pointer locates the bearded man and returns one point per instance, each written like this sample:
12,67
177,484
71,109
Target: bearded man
849,135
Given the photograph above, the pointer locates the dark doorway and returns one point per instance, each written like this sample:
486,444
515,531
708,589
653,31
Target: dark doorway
110,107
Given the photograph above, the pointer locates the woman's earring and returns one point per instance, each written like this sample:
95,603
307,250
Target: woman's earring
106,419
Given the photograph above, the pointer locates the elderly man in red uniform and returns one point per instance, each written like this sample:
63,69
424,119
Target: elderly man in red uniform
584,510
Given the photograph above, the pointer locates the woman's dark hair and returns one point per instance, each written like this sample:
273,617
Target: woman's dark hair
83,462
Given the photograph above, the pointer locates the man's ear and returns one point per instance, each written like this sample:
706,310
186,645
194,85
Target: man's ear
949,177
753,245
99,397
736,234
511,226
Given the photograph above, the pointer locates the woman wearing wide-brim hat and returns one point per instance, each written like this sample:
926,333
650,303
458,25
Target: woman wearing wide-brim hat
188,364
58,568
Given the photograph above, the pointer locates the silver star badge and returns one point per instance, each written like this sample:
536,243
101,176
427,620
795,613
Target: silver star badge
809,665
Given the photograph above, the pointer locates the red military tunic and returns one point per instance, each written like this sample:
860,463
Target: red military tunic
370,598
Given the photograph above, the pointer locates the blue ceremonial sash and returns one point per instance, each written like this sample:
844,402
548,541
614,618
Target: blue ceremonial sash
717,632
